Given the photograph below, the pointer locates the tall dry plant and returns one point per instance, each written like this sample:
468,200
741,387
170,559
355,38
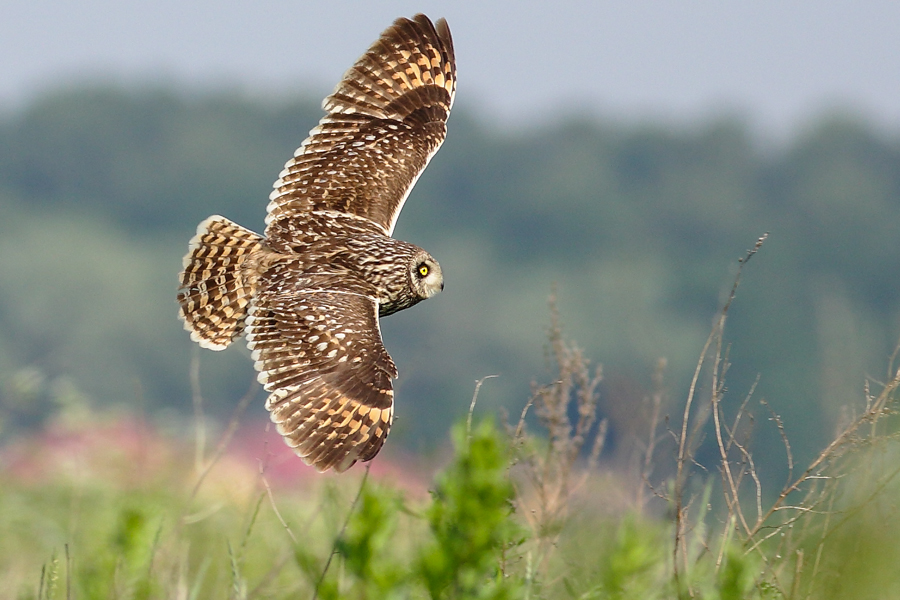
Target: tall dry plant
714,360
544,470
811,505
781,544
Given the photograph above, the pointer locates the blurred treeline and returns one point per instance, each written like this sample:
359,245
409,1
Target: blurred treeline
638,228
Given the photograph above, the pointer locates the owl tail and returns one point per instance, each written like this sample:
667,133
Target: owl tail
216,285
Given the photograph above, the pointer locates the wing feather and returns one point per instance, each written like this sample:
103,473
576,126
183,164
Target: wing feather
385,120
331,394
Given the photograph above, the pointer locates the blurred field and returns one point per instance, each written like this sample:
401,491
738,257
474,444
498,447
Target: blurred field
637,225
127,503
109,511
769,471
113,507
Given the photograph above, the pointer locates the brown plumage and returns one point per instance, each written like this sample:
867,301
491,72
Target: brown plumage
308,295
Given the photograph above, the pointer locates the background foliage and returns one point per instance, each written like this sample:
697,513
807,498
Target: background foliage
638,226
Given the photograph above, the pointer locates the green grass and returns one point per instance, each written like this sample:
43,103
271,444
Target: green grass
99,535
95,530
98,531
110,509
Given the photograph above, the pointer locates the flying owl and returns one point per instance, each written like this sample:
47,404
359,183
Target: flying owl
308,295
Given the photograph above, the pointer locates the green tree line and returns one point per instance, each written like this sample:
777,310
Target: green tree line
637,227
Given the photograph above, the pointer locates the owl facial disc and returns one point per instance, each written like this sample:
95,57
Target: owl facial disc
425,275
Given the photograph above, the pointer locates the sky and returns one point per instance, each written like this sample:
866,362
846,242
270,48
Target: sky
777,63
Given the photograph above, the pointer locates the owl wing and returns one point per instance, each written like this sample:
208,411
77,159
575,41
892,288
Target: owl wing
319,352
384,122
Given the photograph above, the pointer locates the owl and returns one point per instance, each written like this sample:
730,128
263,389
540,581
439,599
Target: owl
308,294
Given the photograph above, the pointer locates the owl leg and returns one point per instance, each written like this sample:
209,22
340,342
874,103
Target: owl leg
215,288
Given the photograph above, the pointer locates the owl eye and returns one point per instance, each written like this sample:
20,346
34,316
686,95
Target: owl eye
423,270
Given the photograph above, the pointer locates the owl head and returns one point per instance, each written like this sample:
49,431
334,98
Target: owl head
425,275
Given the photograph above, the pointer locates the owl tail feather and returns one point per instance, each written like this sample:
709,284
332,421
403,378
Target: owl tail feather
217,283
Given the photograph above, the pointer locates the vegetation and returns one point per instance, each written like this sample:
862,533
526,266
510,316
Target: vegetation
100,189
511,516
635,481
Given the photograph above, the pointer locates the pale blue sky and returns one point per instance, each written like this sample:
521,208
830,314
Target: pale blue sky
778,62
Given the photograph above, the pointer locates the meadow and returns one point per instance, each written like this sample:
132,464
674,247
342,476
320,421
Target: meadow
759,460
109,506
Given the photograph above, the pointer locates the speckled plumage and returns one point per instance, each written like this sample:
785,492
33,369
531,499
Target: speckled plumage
309,294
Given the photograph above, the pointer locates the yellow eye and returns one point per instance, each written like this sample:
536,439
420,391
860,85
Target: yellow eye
423,270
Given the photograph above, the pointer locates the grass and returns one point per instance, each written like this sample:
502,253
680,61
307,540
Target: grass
118,510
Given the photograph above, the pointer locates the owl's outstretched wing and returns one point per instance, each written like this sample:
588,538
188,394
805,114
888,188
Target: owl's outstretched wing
319,352
385,121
